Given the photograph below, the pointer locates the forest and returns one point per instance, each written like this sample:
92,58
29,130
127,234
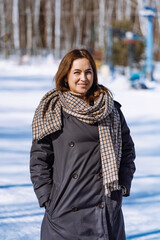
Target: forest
36,27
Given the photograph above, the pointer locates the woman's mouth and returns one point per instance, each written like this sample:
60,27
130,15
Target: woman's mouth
82,84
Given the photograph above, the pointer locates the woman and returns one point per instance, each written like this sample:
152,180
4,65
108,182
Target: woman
82,156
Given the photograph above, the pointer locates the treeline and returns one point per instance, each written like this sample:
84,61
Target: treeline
40,26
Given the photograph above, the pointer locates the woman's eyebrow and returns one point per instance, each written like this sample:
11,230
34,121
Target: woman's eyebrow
80,69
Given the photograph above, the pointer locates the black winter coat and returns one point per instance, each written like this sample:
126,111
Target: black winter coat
66,172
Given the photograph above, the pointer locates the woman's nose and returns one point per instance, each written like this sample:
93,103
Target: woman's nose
83,76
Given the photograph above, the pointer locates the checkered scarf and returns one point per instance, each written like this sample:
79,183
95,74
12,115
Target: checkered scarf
47,119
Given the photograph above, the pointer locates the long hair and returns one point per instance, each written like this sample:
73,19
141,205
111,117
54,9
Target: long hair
66,65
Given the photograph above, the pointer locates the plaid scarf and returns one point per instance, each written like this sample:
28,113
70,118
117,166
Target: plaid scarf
47,119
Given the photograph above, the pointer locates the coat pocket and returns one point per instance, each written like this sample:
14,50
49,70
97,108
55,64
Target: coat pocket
52,199
114,202
117,196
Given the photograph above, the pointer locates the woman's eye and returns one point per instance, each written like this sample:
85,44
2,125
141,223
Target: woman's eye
89,72
76,72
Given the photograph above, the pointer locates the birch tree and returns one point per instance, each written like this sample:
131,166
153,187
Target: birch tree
101,32
89,18
49,23
8,6
78,15
2,18
127,9
109,12
57,27
2,24
119,10
29,26
67,28
15,20
22,26
36,32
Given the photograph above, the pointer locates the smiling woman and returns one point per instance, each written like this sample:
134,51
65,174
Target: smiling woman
80,77
77,73
82,155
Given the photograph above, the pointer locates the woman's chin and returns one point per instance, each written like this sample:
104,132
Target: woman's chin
82,90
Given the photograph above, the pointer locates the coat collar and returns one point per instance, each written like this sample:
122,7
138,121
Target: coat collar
66,115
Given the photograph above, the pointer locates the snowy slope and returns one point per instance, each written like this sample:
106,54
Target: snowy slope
21,88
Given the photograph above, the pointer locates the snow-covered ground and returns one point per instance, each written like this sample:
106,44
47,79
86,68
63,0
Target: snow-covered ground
21,88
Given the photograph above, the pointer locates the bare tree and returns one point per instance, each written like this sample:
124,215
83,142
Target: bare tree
49,23
36,32
101,32
67,26
78,15
109,12
8,6
127,8
2,18
22,26
15,20
88,26
57,27
119,9
28,26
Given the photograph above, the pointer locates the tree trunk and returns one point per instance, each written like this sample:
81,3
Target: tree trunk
88,23
15,20
2,18
22,26
2,25
128,9
36,33
29,26
110,13
142,20
67,29
57,27
101,23
49,23
77,18
8,5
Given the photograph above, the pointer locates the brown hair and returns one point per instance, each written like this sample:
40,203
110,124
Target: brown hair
65,66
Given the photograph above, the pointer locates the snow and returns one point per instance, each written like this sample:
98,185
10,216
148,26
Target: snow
21,88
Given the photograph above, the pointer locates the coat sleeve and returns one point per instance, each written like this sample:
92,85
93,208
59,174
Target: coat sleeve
127,165
41,168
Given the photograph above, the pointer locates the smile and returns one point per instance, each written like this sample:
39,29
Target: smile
82,84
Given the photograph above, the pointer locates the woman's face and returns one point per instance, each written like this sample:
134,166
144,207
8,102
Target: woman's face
80,77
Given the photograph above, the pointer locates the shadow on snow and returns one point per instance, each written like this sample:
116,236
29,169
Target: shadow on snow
16,185
143,234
